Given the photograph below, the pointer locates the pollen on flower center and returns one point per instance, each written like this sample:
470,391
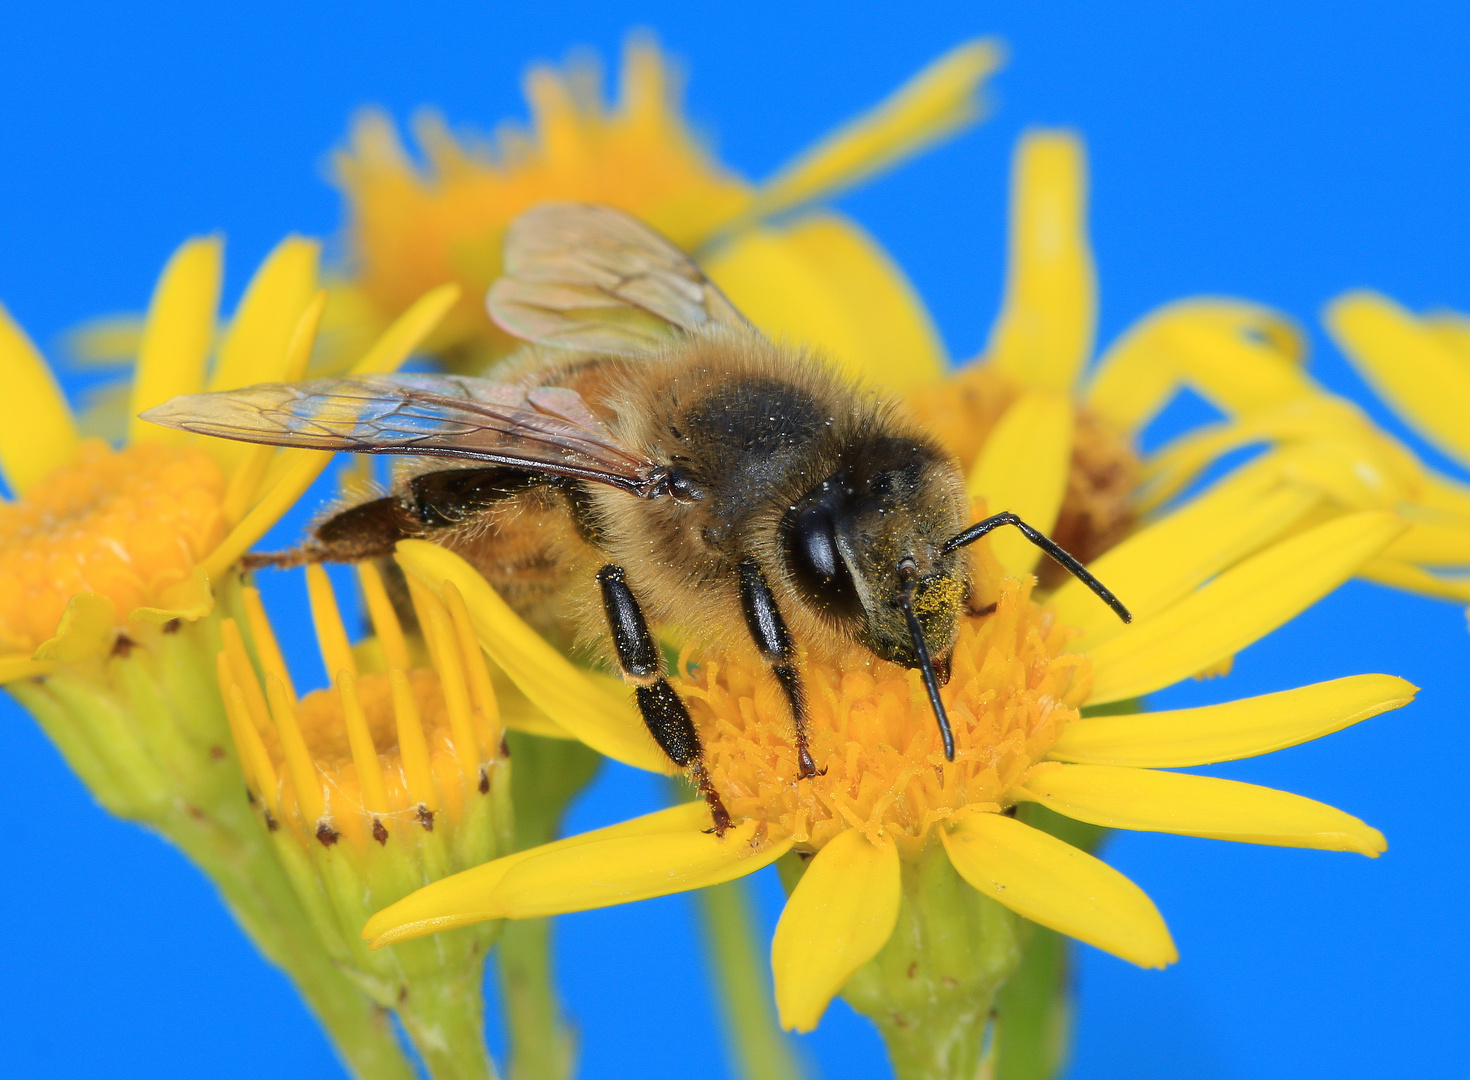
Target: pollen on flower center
126,524
378,750
1012,690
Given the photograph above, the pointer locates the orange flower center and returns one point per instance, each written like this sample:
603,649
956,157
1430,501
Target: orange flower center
324,730
125,524
872,732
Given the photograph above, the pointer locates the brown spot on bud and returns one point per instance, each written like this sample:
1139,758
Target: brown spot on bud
426,818
270,822
217,752
484,781
173,626
913,969
504,746
327,835
380,834
123,646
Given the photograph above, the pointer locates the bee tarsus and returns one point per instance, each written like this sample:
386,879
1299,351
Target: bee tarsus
642,663
773,641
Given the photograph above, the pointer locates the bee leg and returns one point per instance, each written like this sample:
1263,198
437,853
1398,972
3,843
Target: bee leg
773,640
366,531
430,501
642,664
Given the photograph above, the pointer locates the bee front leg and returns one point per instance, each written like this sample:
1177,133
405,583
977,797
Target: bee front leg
642,664
774,642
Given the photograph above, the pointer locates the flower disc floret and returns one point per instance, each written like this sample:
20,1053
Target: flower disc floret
126,524
1013,688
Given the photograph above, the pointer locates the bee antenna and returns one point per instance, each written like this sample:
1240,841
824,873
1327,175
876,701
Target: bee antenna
926,665
1046,544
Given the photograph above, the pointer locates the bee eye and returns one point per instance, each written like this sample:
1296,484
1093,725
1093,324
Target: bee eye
821,575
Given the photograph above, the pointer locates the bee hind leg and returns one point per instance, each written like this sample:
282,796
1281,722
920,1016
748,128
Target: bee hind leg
367,531
773,640
663,711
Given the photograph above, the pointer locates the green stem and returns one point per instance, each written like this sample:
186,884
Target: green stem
931,988
752,1032
542,1046
545,775
446,1021
1033,1010
236,854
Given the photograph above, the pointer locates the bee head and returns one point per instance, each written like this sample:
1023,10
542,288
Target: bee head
864,549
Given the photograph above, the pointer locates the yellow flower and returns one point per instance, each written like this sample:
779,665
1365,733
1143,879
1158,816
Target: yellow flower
393,778
887,795
1421,367
102,542
410,228
1031,397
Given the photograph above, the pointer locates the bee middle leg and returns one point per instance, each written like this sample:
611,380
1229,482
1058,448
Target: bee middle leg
773,640
642,664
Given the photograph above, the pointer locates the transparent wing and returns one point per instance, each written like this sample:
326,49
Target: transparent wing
541,429
593,278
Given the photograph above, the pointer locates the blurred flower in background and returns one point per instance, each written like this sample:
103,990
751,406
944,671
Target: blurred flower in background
409,227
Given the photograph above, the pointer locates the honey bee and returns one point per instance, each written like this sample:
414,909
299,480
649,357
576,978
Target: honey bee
652,451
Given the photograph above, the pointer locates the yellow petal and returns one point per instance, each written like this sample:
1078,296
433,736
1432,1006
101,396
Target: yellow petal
302,469
469,896
623,869
178,334
40,432
551,681
1435,543
1240,356
1023,467
15,668
87,630
108,341
1236,729
189,599
826,284
293,471
254,347
1143,799
1046,328
1052,883
1240,606
1165,561
938,101
840,914
408,331
1424,380
1410,578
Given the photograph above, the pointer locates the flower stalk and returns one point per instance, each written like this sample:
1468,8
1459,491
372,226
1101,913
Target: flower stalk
145,730
931,989
548,774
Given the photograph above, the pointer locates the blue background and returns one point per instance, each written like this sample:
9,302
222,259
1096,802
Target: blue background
1282,153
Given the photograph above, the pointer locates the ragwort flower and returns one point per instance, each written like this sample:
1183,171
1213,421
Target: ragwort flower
392,778
1032,396
887,799
116,571
409,228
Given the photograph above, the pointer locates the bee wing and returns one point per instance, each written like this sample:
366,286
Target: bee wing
592,278
541,429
